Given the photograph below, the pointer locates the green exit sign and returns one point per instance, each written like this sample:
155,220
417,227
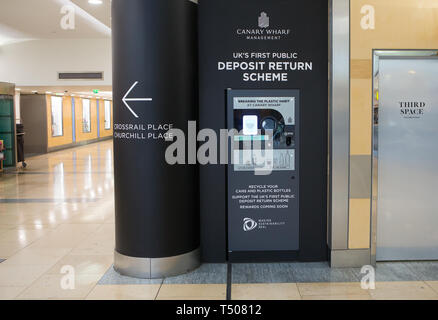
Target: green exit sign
96,91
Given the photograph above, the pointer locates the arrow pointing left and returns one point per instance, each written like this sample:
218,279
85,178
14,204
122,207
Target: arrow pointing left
125,99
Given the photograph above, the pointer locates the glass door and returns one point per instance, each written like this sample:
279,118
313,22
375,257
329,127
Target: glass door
407,142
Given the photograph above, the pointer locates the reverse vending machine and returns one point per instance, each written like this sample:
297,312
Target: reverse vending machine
263,173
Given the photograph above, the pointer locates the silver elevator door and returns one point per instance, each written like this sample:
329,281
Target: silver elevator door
407,205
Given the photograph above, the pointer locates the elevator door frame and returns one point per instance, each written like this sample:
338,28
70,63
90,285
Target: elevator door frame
377,54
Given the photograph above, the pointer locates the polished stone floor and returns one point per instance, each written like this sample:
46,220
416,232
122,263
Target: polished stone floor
57,220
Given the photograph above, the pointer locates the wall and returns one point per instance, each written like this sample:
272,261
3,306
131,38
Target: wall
399,24
102,132
37,62
36,115
67,137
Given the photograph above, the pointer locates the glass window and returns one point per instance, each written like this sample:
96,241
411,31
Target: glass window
57,130
107,115
86,116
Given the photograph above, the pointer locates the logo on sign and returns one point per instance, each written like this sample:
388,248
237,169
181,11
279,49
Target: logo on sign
249,224
263,20
264,30
412,109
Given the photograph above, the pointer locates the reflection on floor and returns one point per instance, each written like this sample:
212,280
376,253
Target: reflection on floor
57,219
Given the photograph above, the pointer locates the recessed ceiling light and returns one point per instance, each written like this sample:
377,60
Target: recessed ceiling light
95,1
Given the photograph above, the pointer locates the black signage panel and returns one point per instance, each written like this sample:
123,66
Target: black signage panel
260,46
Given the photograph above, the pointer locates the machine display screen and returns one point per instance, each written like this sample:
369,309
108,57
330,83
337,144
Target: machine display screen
259,121
250,125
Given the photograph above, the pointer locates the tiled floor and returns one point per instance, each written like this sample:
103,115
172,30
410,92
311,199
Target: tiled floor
57,236
57,213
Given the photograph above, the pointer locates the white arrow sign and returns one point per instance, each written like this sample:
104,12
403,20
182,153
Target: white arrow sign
125,99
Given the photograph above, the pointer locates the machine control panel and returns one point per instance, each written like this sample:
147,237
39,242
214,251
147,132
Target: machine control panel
263,175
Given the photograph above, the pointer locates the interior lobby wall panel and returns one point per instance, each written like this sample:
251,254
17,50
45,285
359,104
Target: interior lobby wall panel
67,137
94,121
359,224
403,24
360,116
101,104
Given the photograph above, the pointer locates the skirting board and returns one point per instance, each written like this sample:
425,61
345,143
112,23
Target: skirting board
350,258
77,144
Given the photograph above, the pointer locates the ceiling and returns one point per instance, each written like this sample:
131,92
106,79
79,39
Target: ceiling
101,12
22,20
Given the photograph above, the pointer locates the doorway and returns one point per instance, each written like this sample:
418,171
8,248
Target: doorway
405,166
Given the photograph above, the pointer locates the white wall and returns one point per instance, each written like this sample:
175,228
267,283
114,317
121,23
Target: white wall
37,62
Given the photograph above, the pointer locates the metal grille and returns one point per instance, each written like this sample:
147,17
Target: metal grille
80,75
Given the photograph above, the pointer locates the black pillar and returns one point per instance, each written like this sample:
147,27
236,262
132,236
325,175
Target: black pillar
155,88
